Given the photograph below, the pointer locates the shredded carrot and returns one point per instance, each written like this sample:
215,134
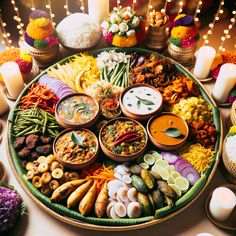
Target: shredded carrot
41,97
99,173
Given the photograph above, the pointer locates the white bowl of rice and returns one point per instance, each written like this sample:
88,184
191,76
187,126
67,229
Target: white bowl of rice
78,32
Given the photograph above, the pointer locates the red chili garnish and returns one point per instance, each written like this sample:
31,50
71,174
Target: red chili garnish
126,137
128,132
133,139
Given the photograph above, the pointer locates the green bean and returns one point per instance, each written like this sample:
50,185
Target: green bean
35,121
51,132
116,70
24,131
45,122
105,74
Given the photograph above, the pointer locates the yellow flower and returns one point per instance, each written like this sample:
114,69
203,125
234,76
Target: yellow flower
25,56
182,32
233,130
40,22
124,42
36,32
179,16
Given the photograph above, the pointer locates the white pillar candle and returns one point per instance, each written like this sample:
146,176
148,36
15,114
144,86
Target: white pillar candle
222,203
3,104
98,9
205,57
225,82
12,77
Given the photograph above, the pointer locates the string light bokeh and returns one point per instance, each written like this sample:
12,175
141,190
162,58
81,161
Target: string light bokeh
17,18
51,15
66,6
211,25
227,31
6,35
197,10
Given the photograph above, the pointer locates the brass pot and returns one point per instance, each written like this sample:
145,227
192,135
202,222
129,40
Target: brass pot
157,37
184,56
44,57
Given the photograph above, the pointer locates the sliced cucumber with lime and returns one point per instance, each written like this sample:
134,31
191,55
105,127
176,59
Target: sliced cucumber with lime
144,165
182,183
149,159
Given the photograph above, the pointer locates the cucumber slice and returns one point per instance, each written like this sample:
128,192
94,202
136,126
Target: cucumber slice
157,156
156,168
149,159
170,168
164,173
144,165
182,183
176,189
162,163
170,180
175,174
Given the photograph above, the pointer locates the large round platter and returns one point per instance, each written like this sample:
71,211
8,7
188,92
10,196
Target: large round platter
74,218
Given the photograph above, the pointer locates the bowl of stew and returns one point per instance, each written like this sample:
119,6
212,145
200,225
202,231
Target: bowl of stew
123,139
76,149
167,131
77,110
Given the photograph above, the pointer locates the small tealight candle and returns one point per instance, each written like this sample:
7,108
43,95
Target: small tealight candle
225,82
204,62
222,203
98,9
12,78
3,104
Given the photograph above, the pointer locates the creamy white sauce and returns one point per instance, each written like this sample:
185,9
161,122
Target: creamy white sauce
142,100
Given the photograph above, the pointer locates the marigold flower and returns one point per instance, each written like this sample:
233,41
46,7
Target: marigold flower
123,41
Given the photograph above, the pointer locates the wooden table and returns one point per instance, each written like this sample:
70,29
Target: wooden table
36,222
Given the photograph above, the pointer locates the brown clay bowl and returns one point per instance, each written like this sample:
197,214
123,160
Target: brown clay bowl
138,116
164,146
70,164
118,157
72,125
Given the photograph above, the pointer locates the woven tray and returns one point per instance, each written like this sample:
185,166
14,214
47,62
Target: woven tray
74,218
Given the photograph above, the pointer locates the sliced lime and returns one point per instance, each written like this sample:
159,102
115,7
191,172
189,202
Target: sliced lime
149,159
157,168
144,165
157,156
170,180
182,183
175,174
170,169
164,173
176,189
162,163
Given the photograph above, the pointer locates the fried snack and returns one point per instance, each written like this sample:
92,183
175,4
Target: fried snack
181,87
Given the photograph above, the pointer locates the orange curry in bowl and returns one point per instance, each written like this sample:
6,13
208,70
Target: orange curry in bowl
168,129
78,109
